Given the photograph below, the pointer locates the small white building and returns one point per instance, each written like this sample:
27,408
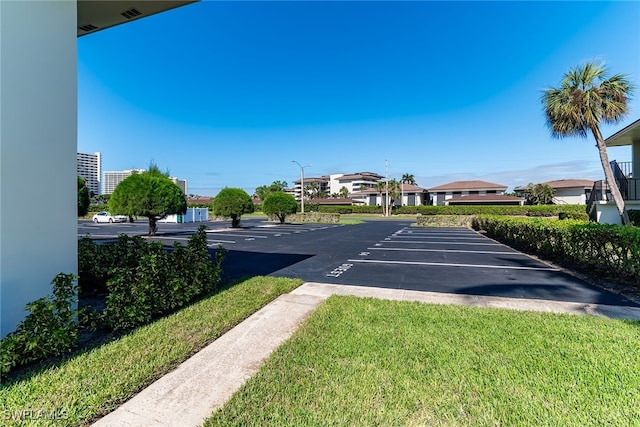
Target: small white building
568,191
192,215
411,195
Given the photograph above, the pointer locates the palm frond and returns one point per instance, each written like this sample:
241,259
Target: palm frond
584,99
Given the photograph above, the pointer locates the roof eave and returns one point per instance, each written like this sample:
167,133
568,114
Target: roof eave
625,136
96,15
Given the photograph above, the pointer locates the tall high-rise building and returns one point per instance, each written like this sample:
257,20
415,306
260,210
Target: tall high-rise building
90,169
182,183
113,178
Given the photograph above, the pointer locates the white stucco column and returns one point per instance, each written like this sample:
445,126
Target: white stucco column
635,158
38,144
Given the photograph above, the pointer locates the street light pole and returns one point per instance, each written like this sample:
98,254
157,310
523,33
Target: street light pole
301,183
386,202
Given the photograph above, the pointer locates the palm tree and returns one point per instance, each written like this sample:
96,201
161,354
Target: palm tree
381,187
539,194
394,191
585,98
408,178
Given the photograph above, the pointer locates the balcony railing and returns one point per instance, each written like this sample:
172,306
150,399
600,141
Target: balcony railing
626,168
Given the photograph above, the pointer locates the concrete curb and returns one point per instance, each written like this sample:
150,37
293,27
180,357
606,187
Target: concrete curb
189,394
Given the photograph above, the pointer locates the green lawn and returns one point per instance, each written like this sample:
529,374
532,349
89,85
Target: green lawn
93,383
372,362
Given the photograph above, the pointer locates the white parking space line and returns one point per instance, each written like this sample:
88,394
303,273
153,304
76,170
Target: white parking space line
239,234
438,237
413,242
441,264
270,232
446,250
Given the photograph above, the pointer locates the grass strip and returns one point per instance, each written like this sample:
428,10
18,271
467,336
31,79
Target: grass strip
93,383
372,362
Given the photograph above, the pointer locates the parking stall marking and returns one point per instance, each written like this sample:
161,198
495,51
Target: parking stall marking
237,234
338,271
444,264
440,236
444,250
443,243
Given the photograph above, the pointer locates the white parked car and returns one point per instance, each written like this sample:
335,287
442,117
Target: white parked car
107,217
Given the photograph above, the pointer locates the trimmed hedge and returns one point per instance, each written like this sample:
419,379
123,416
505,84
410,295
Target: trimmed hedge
607,250
634,216
533,210
445,220
570,211
325,218
339,209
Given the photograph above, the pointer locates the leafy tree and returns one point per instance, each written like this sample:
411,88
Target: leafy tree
408,178
150,194
84,198
539,194
263,191
232,203
100,199
280,204
586,97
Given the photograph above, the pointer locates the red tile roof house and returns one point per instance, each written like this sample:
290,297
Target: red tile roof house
472,192
568,191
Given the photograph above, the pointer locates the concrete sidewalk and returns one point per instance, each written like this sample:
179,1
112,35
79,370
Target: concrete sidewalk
189,394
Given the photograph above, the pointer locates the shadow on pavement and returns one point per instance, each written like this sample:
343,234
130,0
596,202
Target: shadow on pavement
240,264
558,292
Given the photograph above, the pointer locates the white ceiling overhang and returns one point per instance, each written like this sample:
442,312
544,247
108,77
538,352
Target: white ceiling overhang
96,15
626,136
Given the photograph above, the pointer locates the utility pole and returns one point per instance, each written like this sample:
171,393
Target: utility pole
386,202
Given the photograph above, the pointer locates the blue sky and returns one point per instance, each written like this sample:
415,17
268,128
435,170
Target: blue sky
226,94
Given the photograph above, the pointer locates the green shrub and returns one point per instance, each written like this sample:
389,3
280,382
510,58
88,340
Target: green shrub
601,249
634,216
339,209
143,281
48,330
580,216
97,262
159,281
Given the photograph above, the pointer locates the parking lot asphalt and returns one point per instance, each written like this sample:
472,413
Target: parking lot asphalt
385,254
